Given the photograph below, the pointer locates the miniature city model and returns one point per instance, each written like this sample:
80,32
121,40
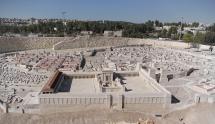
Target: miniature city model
108,73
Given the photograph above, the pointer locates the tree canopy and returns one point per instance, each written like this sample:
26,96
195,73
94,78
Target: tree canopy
188,38
141,30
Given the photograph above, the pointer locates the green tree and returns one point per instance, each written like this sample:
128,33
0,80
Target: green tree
188,38
172,33
164,33
195,24
210,38
199,38
158,24
149,26
211,28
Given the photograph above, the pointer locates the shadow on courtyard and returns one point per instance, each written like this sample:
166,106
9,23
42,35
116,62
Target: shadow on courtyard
66,85
174,100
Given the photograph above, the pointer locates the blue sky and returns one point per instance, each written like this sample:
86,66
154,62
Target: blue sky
124,10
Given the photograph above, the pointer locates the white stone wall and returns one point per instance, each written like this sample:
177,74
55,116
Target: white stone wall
159,43
203,98
143,99
163,96
160,97
152,82
61,99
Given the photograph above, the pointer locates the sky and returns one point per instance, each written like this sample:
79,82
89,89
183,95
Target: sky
137,11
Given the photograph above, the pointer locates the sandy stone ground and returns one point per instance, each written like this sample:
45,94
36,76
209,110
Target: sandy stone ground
199,114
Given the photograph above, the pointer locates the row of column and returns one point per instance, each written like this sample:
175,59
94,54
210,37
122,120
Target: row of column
109,100
73,100
141,100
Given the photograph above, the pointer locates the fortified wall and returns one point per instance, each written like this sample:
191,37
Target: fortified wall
13,44
130,97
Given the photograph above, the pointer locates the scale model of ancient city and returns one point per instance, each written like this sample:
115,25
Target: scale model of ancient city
104,72
87,72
